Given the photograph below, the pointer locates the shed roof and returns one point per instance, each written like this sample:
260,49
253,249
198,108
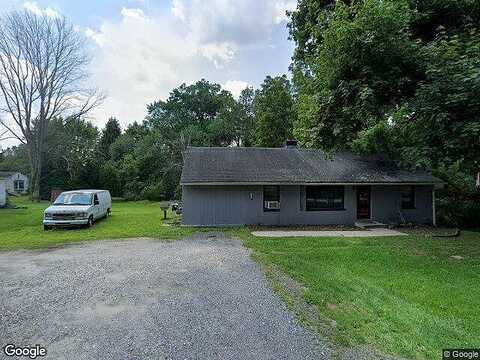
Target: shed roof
4,174
7,173
236,165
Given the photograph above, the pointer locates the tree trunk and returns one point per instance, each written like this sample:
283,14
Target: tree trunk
36,192
35,172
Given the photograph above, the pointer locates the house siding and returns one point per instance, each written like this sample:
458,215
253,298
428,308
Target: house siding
3,193
386,202
243,205
9,181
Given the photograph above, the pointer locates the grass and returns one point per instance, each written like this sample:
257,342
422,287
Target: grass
23,229
401,295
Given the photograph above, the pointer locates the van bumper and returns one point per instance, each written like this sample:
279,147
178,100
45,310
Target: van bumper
65,222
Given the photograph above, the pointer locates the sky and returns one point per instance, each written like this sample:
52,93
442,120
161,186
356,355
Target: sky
142,49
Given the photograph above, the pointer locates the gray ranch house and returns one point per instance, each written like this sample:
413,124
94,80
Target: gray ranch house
293,186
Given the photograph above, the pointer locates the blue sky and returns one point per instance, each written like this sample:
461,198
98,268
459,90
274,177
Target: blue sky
144,48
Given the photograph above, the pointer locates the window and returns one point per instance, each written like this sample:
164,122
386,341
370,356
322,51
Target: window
325,198
408,197
73,199
271,198
19,185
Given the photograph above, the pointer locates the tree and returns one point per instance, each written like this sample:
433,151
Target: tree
109,135
399,77
69,159
363,65
246,117
42,76
274,112
190,112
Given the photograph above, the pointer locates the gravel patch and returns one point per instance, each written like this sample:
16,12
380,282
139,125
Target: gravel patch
197,298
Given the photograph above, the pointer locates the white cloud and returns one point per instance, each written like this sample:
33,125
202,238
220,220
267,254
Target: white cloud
95,36
139,60
219,53
132,13
281,8
34,8
178,9
238,22
235,87
142,57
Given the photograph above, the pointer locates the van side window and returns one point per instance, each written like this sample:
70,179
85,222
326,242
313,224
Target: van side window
95,199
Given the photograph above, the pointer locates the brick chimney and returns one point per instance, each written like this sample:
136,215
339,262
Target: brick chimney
291,144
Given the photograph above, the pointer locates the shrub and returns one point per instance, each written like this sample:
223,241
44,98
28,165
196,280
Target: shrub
154,191
458,213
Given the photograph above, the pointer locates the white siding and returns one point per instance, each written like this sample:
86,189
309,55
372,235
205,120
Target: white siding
10,182
3,193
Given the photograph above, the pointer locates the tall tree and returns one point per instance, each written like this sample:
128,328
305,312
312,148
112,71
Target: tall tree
110,134
42,76
357,66
274,112
246,102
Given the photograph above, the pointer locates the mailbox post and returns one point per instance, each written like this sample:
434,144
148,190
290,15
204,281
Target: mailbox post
164,205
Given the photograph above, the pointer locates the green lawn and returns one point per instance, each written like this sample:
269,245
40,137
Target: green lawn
22,228
402,295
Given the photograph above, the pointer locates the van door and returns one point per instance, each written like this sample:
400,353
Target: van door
96,207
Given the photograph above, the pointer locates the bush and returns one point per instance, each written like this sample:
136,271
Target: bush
154,191
133,190
458,213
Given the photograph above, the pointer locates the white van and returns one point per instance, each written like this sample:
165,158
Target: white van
78,207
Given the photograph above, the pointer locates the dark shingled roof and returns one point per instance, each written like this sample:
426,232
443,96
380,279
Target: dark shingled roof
204,165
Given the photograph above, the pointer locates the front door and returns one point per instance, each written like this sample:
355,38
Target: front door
363,202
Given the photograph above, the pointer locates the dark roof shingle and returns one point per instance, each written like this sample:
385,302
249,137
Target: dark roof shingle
290,166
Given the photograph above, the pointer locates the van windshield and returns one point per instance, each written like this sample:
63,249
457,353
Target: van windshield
74,199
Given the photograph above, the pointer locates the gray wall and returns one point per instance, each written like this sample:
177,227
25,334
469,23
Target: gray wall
386,200
240,205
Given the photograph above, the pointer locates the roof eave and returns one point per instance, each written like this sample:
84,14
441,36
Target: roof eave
229,183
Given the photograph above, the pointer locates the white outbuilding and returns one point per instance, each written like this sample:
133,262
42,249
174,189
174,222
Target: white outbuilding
15,182
3,192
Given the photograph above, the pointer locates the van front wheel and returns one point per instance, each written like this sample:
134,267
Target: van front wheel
90,222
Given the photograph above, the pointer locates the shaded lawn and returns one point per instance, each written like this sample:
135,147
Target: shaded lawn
402,295
22,228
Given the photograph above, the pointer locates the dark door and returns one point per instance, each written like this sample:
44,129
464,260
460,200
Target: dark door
363,202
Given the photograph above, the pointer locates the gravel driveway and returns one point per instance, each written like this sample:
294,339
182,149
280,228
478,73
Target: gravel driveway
198,298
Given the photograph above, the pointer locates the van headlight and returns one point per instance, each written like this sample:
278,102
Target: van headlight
82,215
48,216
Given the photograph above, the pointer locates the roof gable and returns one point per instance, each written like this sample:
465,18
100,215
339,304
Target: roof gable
238,165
